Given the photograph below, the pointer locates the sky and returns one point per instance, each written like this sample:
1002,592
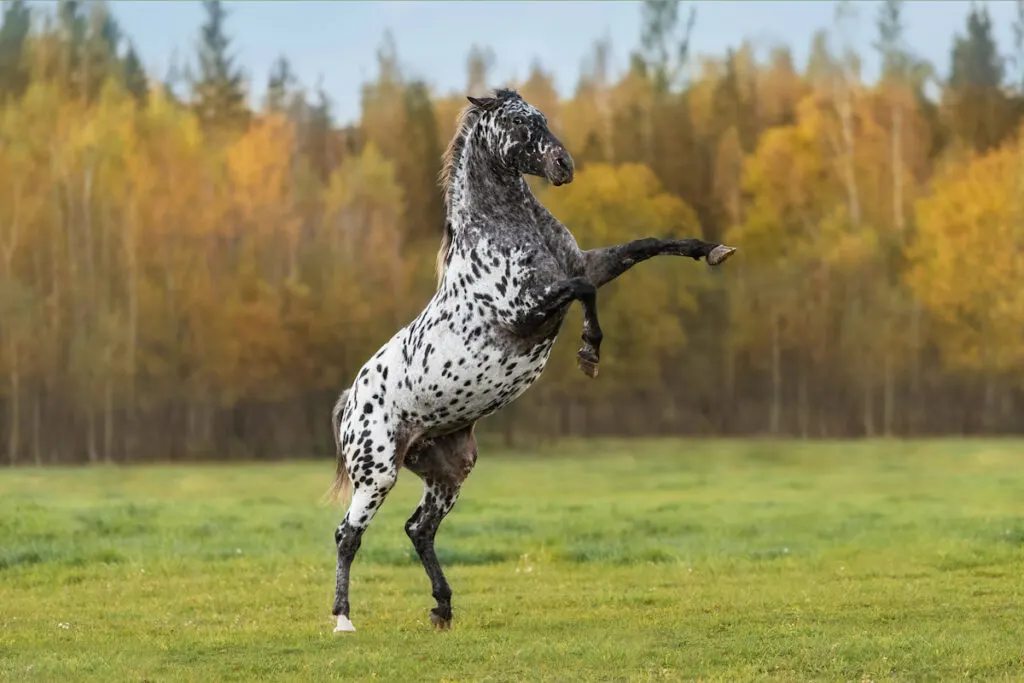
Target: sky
336,41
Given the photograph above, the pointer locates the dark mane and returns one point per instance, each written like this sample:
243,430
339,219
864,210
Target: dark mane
450,161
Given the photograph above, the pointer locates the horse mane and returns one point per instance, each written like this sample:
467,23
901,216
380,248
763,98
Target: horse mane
450,161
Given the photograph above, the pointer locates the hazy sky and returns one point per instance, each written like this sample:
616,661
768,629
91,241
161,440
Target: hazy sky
338,39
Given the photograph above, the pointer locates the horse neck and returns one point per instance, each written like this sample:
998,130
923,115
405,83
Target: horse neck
482,189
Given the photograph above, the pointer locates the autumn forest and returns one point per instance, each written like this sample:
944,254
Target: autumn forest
187,275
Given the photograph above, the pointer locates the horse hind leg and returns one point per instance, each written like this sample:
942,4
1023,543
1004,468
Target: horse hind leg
372,465
443,464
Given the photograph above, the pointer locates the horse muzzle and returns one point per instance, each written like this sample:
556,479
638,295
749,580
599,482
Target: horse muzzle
558,167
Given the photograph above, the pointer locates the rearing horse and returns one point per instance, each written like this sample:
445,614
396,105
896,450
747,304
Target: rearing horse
508,272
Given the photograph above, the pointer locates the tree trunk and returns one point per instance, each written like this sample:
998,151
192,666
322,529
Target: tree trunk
91,438
897,169
989,403
804,417
108,419
889,396
130,429
869,410
776,411
14,432
730,391
37,414
845,106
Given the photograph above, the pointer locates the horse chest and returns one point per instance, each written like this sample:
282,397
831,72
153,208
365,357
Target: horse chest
460,360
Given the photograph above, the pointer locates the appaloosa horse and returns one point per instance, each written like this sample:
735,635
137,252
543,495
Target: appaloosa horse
508,272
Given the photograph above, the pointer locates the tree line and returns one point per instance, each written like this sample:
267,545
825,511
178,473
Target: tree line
185,276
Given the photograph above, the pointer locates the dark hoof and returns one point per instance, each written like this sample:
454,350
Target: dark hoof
720,254
588,361
439,622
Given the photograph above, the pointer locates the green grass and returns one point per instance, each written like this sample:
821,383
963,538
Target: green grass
645,560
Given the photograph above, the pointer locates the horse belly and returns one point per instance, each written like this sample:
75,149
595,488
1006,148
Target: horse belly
465,380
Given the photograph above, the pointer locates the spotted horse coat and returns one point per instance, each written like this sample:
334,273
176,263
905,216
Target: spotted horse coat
508,272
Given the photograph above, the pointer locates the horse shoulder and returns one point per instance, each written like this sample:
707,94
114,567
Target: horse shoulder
561,243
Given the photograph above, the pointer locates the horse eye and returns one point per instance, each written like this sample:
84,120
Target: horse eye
517,120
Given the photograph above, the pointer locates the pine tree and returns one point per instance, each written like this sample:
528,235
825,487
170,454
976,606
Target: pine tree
134,76
895,60
419,165
72,29
98,55
280,83
665,53
317,136
980,113
13,32
219,97
975,59
479,65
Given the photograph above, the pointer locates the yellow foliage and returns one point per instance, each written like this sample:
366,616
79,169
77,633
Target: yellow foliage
968,261
259,166
146,264
607,205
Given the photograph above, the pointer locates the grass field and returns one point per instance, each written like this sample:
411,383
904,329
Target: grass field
645,560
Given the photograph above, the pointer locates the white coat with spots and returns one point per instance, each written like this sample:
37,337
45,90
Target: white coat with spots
508,272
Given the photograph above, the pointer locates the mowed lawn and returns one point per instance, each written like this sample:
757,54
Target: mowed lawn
625,560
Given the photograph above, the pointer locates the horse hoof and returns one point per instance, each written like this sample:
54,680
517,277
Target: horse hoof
439,622
587,362
719,254
343,624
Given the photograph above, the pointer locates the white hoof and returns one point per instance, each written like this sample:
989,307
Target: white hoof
344,624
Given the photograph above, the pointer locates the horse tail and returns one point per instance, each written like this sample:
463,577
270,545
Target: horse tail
342,482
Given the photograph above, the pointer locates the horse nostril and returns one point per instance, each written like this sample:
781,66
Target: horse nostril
562,163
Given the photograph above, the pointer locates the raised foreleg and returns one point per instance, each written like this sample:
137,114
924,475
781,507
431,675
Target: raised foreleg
552,301
443,463
607,263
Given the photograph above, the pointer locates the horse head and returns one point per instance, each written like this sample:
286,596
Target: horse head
517,135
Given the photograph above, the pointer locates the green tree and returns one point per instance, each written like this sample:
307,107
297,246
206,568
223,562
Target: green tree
317,136
664,52
219,97
134,76
280,85
71,32
420,164
479,64
979,113
98,57
14,31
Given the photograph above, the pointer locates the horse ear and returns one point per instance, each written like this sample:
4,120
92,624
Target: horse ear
484,103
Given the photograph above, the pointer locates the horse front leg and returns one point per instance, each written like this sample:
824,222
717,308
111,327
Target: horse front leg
551,301
607,263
